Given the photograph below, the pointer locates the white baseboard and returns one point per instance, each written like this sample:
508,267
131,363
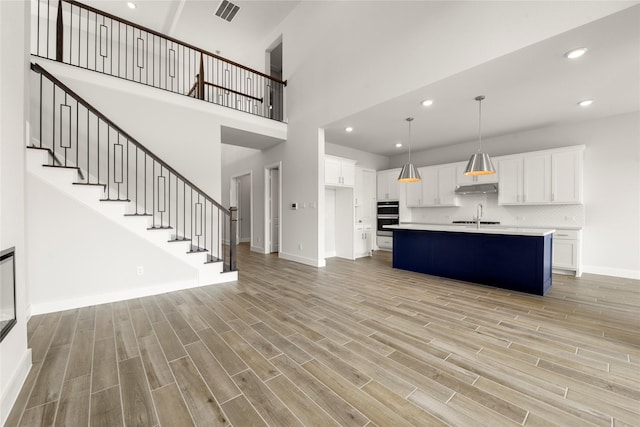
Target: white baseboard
607,271
10,394
330,254
303,260
68,304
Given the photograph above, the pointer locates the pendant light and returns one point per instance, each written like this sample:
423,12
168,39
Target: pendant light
479,163
409,173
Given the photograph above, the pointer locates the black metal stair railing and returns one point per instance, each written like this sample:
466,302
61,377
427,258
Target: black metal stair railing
80,35
78,136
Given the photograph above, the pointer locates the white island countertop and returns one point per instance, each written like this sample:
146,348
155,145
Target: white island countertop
470,228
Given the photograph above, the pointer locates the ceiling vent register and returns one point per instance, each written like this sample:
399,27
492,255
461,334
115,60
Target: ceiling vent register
227,10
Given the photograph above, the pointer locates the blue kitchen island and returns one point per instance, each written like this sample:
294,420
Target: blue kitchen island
517,259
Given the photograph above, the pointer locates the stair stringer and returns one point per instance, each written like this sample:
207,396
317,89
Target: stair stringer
62,180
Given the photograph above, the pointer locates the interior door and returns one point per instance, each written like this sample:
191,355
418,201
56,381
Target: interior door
274,209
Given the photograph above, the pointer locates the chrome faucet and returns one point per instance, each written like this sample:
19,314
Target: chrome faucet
479,214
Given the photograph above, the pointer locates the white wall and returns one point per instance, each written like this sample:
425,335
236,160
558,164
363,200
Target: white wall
337,62
363,159
79,257
15,357
611,236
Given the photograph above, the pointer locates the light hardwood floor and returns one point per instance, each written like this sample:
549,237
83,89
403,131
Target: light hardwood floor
354,344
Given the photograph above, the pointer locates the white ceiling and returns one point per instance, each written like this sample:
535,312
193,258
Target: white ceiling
530,88
194,22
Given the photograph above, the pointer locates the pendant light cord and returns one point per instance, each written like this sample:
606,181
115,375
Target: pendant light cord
409,119
479,99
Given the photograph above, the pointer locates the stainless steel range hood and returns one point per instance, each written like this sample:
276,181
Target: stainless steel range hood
477,189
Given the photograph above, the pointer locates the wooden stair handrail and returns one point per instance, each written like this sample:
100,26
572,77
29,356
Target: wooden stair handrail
39,69
158,34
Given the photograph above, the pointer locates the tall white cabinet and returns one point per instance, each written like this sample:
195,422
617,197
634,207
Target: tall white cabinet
350,197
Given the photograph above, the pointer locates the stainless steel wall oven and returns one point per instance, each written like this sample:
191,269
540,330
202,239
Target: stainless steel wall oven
388,214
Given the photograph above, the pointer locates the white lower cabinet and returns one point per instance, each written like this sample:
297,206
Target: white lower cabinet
362,241
385,243
566,251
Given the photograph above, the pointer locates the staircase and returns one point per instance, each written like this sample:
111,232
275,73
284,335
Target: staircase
83,154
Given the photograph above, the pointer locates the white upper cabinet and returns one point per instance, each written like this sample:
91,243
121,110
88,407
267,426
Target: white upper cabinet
544,177
435,189
537,179
566,177
339,172
510,180
388,185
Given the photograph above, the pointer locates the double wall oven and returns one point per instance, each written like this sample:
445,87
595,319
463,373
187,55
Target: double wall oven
388,214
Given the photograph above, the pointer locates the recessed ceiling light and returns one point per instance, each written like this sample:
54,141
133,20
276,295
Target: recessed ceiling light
427,102
398,145
585,103
131,5
348,129
576,53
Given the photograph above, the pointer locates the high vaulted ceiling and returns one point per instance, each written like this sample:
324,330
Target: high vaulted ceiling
530,88
194,22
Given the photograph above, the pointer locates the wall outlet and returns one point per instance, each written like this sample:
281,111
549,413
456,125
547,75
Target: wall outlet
299,246
520,218
140,270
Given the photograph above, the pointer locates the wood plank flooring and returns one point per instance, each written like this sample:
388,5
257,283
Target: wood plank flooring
353,344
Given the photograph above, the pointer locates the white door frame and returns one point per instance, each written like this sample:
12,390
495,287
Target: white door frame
267,211
233,201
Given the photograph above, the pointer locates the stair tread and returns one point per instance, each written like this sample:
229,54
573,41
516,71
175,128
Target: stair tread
62,167
115,200
138,214
179,239
167,227
196,249
96,184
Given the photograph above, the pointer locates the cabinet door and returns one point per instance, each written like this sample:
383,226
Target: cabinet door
348,173
565,254
446,186
414,194
332,170
358,187
429,185
383,185
368,196
510,181
566,177
537,179
393,184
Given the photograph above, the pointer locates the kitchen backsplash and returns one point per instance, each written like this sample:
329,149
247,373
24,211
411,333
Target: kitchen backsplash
530,216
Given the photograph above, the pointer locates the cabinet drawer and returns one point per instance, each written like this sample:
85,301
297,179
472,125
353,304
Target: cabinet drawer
565,234
385,242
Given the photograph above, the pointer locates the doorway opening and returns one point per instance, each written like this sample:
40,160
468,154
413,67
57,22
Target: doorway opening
272,208
241,196
274,68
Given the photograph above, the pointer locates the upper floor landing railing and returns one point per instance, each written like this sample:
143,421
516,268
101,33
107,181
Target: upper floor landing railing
80,35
